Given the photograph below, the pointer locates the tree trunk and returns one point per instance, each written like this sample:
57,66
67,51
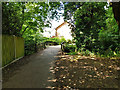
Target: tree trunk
116,11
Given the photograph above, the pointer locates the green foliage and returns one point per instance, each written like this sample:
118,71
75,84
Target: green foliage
84,52
109,37
55,40
94,27
69,41
11,18
30,49
37,41
32,39
72,53
28,19
62,39
69,48
18,17
88,22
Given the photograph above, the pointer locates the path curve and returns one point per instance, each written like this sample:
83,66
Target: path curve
36,73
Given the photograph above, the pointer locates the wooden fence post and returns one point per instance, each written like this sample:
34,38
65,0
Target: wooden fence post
15,45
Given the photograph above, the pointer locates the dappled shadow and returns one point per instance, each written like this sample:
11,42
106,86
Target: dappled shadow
86,72
51,79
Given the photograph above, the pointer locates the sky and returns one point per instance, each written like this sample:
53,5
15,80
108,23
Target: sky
51,31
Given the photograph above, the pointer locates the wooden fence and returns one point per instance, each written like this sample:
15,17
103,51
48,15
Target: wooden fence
12,48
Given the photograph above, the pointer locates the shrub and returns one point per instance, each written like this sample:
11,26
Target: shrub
72,53
85,52
56,40
69,41
69,48
62,39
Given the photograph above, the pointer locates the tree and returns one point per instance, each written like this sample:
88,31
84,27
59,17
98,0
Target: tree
116,10
12,18
109,36
21,16
89,18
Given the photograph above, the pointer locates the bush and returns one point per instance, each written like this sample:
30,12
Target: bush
85,52
72,53
69,41
110,53
62,39
55,41
69,48
117,52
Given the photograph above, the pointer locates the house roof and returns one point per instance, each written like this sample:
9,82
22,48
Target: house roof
60,25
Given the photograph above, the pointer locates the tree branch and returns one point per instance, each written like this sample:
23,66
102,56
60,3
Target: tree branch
24,30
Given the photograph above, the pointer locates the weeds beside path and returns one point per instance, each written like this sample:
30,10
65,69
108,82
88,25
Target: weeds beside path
75,71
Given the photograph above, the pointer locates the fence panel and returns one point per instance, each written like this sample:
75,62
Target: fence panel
12,48
8,49
19,47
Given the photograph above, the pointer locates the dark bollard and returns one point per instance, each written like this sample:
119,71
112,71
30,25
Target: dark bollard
35,47
62,46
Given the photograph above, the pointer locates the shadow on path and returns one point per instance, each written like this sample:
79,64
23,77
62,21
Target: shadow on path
79,72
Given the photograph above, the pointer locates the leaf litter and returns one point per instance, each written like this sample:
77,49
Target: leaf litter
75,71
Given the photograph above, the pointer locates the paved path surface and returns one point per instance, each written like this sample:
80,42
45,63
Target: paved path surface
36,73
